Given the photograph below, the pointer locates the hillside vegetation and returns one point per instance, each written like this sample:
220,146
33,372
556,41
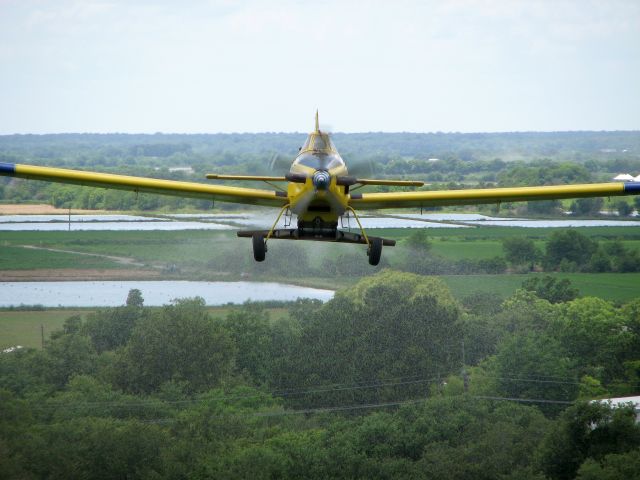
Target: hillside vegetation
393,378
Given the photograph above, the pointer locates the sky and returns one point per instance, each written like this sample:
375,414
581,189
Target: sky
266,66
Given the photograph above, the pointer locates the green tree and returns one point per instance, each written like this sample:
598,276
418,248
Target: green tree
494,265
111,328
63,196
544,207
94,448
179,342
569,246
250,331
520,250
387,326
624,208
418,240
593,331
524,311
586,430
631,315
600,262
532,366
587,206
67,355
480,302
23,371
134,298
551,289
456,438
630,262
616,466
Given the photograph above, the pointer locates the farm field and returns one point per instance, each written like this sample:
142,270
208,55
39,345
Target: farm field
221,256
616,287
23,327
194,248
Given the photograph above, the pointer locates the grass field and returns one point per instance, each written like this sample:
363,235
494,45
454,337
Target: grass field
18,258
24,327
193,248
155,246
617,287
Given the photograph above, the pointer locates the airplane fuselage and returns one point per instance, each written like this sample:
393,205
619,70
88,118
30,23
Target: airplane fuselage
320,200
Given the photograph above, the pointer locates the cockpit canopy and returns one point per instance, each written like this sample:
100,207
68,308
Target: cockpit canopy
318,152
318,142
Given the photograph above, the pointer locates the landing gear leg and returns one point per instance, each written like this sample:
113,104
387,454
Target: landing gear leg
260,242
374,250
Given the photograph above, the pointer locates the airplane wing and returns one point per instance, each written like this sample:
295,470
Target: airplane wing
364,201
221,193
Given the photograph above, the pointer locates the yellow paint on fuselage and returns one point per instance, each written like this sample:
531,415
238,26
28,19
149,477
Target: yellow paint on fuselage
305,195
318,154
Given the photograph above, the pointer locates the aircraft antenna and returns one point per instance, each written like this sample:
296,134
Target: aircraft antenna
317,124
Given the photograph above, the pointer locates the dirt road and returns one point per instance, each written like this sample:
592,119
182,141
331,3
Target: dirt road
42,209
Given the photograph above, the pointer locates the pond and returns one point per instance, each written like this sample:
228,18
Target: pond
239,221
155,293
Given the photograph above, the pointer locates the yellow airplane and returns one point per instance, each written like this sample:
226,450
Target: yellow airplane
319,192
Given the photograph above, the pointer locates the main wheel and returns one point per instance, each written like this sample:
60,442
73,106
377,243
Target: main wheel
259,247
375,251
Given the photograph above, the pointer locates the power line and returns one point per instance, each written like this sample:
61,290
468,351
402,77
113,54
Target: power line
368,406
156,402
160,402
324,388
531,380
524,400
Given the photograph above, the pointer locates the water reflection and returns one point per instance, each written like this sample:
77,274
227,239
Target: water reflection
234,221
116,226
155,293
556,223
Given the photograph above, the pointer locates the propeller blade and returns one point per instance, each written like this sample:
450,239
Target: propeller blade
362,167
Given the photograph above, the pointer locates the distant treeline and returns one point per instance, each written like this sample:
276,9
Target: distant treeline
466,145
444,160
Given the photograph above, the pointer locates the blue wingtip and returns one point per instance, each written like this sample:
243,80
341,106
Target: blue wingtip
632,187
7,168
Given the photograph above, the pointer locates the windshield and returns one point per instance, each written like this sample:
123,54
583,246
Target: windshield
319,161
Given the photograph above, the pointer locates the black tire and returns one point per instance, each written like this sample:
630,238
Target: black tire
375,251
259,247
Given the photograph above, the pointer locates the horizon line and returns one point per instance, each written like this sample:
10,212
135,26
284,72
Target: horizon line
437,132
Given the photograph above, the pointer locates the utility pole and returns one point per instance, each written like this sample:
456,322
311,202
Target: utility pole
465,376
42,335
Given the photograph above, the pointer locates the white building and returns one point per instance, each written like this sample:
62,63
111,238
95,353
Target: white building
620,401
624,177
